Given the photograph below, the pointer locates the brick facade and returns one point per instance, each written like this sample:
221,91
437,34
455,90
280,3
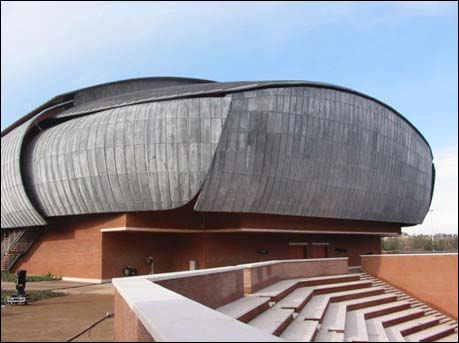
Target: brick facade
76,247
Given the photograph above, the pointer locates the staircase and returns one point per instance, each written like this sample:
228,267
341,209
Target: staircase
342,308
12,250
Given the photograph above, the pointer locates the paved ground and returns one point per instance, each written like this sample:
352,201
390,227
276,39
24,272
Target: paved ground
43,285
59,319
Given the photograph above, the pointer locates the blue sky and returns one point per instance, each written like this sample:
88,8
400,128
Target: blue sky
403,53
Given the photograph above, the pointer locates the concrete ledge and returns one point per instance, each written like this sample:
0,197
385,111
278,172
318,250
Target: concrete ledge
415,254
190,231
268,263
162,314
78,279
168,316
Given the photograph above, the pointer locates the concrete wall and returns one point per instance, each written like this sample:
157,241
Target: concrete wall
432,278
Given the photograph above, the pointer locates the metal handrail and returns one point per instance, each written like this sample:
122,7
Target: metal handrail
6,249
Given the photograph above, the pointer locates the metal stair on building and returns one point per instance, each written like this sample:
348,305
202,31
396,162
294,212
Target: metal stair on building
343,308
13,250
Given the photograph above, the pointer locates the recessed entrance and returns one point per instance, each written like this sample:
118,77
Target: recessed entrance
308,250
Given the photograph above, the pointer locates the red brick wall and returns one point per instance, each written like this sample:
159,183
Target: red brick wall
172,252
212,290
259,277
70,247
186,218
126,326
432,279
75,247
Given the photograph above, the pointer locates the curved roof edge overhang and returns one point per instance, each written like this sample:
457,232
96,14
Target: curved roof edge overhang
245,86
67,96
36,218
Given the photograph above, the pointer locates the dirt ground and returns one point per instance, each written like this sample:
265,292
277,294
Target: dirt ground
59,319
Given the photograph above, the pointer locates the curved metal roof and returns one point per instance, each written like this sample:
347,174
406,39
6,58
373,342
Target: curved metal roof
69,96
198,87
281,147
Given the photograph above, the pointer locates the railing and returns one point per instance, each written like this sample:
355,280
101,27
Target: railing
15,244
10,237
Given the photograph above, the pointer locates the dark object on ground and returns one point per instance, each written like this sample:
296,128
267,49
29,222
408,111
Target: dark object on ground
32,296
20,298
130,271
8,277
107,315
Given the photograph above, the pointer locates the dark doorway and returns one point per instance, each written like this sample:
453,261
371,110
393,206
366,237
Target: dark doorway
297,251
317,251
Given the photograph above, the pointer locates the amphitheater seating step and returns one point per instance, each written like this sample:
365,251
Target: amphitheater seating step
336,320
282,288
355,293
375,326
342,286
300,331
276,290
329,336
411,326
398,317
355,329
375,331
297,299
321,280
315,308
273,321
430,334
450,338
341,308
245,308
381,310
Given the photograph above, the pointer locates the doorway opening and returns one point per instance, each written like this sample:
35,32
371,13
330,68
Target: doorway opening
308,250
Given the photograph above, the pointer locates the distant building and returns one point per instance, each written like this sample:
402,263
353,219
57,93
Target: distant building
199,174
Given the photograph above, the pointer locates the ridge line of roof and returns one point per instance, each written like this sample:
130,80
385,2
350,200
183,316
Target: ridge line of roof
54,100
246,86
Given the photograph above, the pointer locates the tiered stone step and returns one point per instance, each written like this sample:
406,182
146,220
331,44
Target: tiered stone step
300,331
335,319
376,326
280,289
329,336
356,330
431,322
316,307
273,321
431,334
341,308
245,308
297,299
450,338
395,333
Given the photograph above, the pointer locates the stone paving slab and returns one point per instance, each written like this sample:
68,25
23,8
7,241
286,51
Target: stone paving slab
58,319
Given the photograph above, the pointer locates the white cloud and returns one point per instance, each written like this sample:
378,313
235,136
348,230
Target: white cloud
444,217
